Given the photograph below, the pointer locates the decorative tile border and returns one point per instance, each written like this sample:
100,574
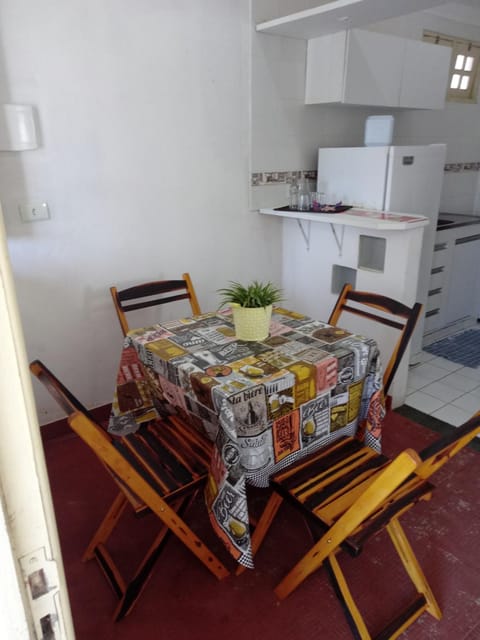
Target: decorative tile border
456,167
265,178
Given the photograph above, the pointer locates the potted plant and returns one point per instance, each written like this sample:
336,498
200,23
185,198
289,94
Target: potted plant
251,307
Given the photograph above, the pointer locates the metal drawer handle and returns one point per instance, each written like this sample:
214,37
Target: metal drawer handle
468,239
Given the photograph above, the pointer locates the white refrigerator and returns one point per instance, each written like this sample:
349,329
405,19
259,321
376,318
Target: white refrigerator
403,179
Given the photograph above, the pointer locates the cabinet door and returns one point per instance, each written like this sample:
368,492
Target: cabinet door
325,68
463,282
425,75
373,68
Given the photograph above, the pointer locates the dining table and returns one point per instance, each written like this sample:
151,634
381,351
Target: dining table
263,404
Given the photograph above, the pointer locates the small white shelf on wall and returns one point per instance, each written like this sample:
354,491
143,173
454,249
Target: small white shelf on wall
331,17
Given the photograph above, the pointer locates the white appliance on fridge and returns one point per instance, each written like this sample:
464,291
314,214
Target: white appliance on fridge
403,179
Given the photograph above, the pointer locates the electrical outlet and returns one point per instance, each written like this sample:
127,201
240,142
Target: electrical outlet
33,211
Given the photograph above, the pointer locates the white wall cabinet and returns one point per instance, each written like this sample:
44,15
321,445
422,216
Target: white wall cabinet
425,75
369,68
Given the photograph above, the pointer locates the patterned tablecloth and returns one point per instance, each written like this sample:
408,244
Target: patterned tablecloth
264,404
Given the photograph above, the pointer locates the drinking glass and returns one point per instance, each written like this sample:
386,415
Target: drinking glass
318,200
304,201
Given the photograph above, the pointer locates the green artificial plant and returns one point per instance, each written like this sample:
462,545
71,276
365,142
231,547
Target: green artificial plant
253,296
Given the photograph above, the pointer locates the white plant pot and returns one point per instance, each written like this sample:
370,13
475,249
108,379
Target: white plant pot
252,324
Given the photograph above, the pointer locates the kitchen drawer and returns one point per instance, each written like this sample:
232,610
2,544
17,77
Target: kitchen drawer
437,277
432,320
439,255
434,300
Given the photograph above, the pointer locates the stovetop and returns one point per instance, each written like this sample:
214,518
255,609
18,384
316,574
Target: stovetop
449,220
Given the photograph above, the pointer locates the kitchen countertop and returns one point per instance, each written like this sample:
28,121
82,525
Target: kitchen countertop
455,220
355,218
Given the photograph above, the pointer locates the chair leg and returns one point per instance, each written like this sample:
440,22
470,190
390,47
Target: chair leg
106,527
171,519
412,566
263,525
354,616
307,565
137,584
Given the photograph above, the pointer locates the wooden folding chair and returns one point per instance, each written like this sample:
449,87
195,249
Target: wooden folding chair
401,317
347,492
140,296
159,468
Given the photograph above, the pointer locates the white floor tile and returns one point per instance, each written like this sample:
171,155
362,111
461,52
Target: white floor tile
416,381
422,356
452,415
442,391
468,402
475,392
423,402
430,372
468,372
445,364
461,382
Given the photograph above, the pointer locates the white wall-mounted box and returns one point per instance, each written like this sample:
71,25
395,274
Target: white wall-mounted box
378,131
17,128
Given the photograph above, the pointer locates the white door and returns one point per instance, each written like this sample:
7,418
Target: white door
26,499
415,179
353,175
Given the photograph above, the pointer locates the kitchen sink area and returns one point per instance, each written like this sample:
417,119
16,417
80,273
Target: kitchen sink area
451,220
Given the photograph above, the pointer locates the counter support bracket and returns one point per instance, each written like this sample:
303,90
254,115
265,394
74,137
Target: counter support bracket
338,240
306,229
305,232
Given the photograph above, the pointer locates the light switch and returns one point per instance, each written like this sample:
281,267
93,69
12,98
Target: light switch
33,211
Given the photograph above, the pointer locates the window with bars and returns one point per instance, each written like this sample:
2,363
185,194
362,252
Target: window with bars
463,80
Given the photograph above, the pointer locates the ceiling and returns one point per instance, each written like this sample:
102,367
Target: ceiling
336,15
467,11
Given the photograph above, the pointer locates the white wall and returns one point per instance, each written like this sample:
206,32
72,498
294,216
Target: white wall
144,117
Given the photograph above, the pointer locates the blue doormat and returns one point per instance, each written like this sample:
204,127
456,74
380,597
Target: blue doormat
463,348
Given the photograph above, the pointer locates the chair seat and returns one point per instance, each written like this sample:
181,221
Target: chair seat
325,484
168,454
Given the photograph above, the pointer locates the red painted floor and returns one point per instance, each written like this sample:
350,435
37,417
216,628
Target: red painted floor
183,601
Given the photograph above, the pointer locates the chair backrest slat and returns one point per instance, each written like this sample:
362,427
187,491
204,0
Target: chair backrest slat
372,316
155,302
151,294
383,303
151,289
